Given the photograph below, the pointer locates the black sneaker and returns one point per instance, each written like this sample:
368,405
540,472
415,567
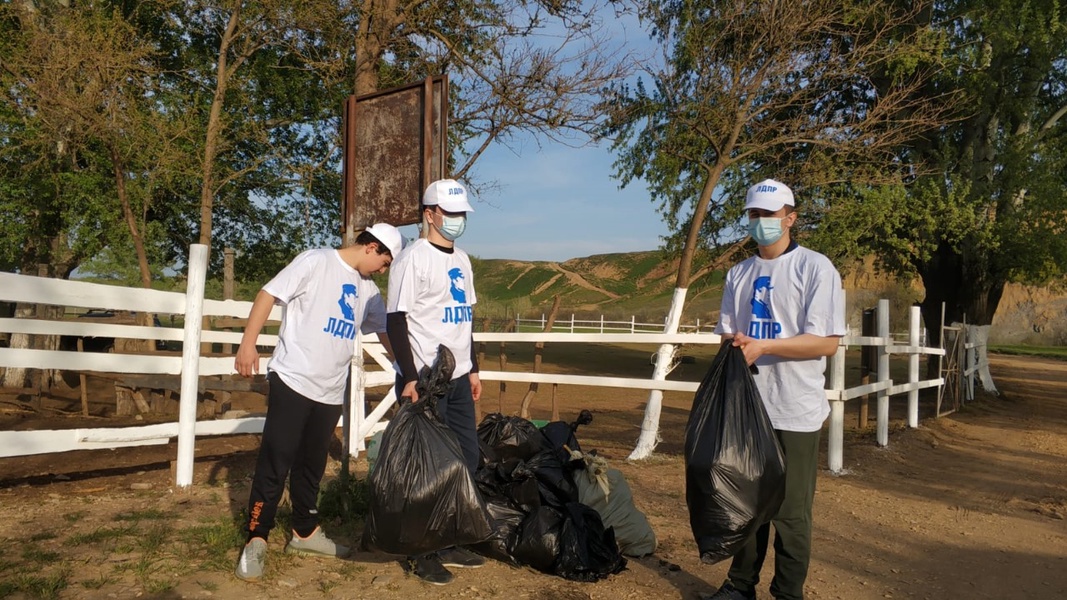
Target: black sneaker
428,568
460,557
729,592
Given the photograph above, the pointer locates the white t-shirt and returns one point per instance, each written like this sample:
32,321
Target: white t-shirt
798,292
323,300
436,290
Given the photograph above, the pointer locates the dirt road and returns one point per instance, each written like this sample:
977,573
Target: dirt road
968,506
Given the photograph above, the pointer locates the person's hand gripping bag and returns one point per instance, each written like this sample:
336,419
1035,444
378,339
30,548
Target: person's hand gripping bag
422,496
734,467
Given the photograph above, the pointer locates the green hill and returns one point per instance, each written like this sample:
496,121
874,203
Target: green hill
614,285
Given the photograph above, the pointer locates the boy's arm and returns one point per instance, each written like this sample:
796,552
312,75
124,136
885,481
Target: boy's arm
247,360
397,328
799,347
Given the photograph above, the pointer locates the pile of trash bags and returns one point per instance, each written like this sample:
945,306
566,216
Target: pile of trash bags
529,478
536,499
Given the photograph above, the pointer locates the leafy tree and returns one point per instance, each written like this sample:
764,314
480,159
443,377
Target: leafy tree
991,204
831,85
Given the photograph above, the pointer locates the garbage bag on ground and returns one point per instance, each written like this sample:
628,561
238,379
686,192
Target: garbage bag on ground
554,478
605,490
509,437
537,543
422,497
507,522
734,468
510,482
587,550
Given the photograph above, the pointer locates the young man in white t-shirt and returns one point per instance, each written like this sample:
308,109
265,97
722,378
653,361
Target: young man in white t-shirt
431,300
785,308
326,295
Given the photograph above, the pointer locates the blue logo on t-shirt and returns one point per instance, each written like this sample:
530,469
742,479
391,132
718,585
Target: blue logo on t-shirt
456,286
348,301
763,326
345,327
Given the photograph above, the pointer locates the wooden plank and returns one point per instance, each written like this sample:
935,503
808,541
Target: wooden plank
173,382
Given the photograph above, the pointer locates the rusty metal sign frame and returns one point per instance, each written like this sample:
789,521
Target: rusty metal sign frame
395,143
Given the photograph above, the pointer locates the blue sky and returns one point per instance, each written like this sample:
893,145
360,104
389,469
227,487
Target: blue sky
556,203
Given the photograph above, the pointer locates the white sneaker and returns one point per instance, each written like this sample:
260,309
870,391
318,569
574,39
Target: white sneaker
317,544
253,557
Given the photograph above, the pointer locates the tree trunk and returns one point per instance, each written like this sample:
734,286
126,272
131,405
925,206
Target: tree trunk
969,291
378,20
214,127
15,377
131,220
649,437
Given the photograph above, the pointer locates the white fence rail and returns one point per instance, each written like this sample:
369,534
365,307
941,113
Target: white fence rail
601,325
29,289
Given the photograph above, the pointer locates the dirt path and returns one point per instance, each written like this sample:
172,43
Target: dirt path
580,281
969,506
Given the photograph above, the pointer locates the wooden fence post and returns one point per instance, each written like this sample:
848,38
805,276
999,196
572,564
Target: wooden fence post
524,408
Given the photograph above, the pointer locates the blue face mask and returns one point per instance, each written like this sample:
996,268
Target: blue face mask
452,227
765,230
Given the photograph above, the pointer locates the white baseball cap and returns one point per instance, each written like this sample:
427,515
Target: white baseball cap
389,236
769,195
449,194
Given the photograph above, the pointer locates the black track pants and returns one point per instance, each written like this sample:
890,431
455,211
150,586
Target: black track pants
296,442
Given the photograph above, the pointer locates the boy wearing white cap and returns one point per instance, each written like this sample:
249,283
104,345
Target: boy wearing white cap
785,308
325,294
431,300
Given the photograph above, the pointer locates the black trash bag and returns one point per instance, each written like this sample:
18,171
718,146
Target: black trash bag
422,496
555,479
537,543
560,434
510,482
510,437
507,522
587,551
734,467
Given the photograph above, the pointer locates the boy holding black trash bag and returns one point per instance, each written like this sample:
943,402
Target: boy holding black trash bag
785,309
430,304
326,295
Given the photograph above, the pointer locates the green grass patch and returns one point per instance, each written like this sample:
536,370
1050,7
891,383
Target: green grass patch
1055,352
32,585
98,582
212,542
102,534
143,515
32,553
75,516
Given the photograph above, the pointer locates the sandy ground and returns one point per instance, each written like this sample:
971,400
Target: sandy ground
971,505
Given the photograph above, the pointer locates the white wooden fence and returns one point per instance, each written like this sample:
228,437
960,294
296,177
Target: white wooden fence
191,366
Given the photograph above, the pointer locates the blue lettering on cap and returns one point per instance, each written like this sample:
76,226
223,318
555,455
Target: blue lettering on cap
766,188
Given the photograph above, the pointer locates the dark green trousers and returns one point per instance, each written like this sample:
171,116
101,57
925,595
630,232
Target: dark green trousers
792,524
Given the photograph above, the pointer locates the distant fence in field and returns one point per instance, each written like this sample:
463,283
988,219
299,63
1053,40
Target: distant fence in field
193,367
